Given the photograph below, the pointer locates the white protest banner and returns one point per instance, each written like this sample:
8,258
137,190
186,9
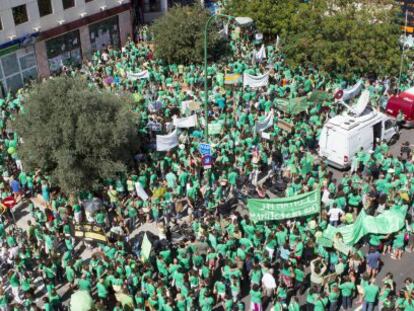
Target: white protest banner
167,142
261,54
352,91
266,135
265,124
255,81
138,76
187,122
140,191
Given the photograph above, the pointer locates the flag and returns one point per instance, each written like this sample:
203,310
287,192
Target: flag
277,42
265,124
261,54
146,247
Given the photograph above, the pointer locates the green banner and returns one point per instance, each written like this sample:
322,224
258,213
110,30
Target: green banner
285,208
388,222
214,128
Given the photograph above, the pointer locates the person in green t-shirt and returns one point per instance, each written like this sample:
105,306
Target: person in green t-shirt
347,289
371,292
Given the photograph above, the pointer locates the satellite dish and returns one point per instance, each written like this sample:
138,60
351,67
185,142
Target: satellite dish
362,103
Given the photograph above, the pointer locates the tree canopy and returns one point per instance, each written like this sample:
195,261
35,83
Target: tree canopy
345,36
75,134
179,35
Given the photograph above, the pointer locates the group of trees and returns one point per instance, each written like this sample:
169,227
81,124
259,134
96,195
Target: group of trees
345,36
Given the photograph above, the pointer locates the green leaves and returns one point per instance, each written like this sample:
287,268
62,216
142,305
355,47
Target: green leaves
179,35
343,36
77,135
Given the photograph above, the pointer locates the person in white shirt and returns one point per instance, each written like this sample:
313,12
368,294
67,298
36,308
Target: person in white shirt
334,214
269,283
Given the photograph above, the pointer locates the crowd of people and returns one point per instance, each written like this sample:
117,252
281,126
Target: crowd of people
207,253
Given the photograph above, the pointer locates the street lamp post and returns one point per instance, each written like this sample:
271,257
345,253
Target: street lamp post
240,21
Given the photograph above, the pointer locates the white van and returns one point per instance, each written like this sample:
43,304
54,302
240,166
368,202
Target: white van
344,135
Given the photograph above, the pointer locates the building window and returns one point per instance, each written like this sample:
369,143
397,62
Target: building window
64,51
68,4
16,69
20,14
1,25
104,33
45,7
152,6
88,0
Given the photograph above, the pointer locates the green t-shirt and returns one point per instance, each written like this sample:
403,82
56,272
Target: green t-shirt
347,288
370,293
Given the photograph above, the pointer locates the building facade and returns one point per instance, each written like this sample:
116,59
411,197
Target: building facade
39,37
407,7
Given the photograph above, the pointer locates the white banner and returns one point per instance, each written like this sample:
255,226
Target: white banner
140,191
167,142
187,122
265,124
255,81
137,76
352,91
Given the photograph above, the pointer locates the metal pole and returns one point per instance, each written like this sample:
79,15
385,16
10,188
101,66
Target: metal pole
402,54
205,70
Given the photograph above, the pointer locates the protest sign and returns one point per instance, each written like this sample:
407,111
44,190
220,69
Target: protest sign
255,81
205,149
261,54
140,191
207,161
214,128
167,142
138,76
90,232
146,247
285,125
186,122
388,222
232,78
266,135
285,208
154,126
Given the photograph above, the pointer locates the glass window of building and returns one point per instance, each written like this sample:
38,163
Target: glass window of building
64,50
20,14
152,6
1,25
68,4
45,7
104,33
16,69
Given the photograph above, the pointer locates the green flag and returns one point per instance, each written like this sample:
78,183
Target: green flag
145,248
388,222
285,208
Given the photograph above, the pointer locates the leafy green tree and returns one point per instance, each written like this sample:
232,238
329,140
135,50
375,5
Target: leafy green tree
342,36
271,17
345,36
75,133
179,35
